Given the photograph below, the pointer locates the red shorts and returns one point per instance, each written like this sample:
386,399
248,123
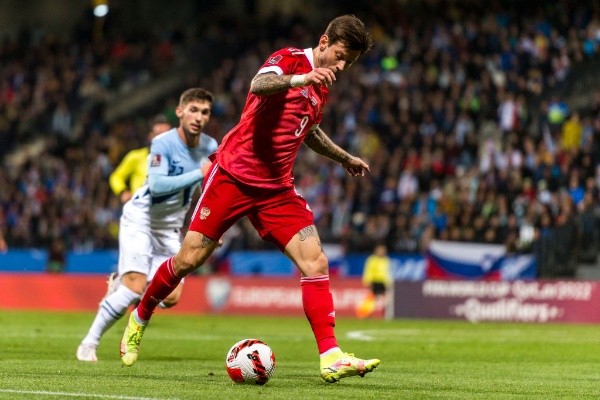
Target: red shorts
277,214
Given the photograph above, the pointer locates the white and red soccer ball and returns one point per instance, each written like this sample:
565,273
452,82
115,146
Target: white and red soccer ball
250,361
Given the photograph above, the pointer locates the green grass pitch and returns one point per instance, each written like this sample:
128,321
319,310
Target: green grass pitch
183,357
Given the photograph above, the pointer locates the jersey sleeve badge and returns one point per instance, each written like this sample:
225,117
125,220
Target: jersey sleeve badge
274,60
155,160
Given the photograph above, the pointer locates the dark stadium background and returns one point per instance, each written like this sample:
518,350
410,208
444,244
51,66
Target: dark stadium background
481,122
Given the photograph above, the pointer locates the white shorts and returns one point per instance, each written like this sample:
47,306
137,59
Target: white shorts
143,250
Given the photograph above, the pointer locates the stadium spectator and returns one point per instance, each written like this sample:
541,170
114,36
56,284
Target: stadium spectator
572,133
252,176
56,257
3,245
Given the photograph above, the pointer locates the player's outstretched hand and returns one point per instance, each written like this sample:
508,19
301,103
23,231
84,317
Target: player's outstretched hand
355,166
320,76
125,196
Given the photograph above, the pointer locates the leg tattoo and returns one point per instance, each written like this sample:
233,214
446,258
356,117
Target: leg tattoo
311,230
206,241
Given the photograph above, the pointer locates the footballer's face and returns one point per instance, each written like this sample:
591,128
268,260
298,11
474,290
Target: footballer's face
194,116
335,56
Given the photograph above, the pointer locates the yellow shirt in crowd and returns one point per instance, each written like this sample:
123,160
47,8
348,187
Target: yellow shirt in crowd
571,134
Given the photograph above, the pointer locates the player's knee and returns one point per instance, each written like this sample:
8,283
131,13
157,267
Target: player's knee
135,282
186,263
319,265
322,264
193,253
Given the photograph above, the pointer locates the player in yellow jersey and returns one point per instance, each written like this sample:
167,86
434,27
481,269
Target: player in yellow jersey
131,173
377,277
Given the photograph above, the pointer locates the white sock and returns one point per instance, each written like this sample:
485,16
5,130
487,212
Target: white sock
163,305
330,351
111,310
138,319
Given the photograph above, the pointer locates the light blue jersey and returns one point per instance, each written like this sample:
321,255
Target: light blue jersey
173,176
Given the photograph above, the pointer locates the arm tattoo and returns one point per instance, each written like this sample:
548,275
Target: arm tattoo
269,83
311,230
320,143
206,241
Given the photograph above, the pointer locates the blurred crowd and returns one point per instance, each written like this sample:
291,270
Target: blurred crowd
453,110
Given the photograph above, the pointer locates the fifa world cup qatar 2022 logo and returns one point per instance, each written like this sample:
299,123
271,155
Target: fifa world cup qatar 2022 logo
218,291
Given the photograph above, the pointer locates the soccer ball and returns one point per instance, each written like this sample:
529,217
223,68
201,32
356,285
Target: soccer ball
250,361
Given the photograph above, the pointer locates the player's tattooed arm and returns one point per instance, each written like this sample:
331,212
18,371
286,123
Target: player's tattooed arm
320,143
269,83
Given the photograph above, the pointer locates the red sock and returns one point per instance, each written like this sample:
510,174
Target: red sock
318,307
163,283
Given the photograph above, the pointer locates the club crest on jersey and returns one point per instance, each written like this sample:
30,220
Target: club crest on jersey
155,160
274,60
204,212
304,92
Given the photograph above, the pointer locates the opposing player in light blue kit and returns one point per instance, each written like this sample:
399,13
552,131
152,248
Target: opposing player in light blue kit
150,225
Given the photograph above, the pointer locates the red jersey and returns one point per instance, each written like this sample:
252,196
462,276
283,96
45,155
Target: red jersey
261,149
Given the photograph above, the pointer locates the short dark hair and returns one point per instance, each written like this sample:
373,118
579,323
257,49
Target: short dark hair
195,94
159,119
351,32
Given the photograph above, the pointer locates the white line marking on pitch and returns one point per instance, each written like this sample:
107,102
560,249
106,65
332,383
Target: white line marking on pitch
67,394
359,335
369,335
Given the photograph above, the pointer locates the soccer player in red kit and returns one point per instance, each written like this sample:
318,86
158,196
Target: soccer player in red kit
252,176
